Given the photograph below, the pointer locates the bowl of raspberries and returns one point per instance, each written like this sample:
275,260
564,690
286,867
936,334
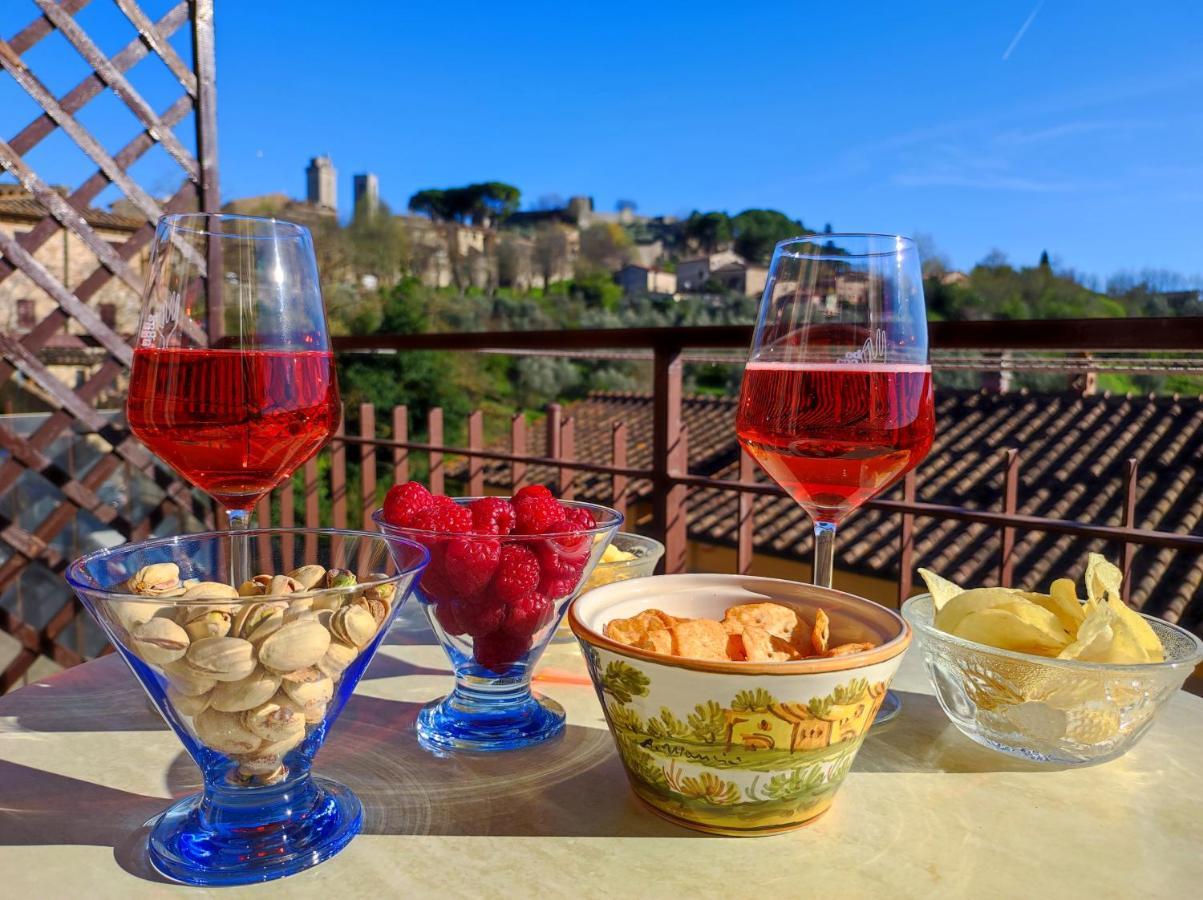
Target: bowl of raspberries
502,572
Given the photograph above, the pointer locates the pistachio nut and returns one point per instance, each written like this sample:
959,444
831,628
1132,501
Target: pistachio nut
300,605
264,625
250,615
377,608
214,623
283,745
185,681
282,584
276,720
330,600
159,579
189,582
311,696
250,589
129,613
254,690
222,658
340,578
300,676
353,625
188,704
296,645
224,732
213,590
383,590
263,581
159,641
259,765
308,576
337,659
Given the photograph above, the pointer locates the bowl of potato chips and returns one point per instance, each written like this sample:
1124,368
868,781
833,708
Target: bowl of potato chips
1050,677
737,703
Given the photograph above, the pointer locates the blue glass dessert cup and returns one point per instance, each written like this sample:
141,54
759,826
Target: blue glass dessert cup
251,677
494,602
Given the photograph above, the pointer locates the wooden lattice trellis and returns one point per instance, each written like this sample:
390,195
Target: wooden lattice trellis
74,407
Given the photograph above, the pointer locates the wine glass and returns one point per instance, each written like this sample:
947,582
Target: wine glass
233,382
836,403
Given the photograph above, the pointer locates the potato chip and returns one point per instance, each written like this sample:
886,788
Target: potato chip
1003,629
636,629
820,633
845,649
760,646
1141,630
941,589
1064,602
971,601
1100,641
658,641
1102,579
772,617
735,648
1039,617
699,639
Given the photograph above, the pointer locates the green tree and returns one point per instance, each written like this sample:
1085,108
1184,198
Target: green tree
707,232
756,231
606,245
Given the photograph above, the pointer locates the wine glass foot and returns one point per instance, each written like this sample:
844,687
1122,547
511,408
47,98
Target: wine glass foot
450,724
300,829
890,707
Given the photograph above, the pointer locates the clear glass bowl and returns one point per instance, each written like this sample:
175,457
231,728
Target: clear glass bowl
647,551
1061,711
493,638
251,680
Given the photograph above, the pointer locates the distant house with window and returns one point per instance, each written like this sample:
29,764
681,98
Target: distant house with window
636,279
725,269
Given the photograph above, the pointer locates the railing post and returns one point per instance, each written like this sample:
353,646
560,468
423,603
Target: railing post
367,476
906,541
1006,562
745,546
1128,553
668,506
554,422
338,475
400,454
287,520
567,477
518,448
476,441
434,428
618,457
313,510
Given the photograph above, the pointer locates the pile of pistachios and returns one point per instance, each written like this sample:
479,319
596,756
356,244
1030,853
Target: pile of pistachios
252,667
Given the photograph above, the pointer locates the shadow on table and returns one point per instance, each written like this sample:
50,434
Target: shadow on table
101,696
922,739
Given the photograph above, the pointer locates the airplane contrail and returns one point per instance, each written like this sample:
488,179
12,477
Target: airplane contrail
1021,32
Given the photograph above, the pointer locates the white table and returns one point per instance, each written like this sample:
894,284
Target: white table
84,762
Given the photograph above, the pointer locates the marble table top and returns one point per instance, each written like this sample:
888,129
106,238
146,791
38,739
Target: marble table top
85,761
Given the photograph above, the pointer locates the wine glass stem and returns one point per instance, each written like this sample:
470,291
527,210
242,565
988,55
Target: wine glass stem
240,545
824,553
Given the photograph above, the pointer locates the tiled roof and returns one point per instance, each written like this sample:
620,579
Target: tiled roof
20,206
1073,454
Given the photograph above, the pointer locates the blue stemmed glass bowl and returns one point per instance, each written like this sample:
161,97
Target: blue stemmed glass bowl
250,677
494,641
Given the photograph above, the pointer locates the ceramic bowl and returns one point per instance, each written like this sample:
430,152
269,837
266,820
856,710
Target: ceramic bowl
735,747
1061,711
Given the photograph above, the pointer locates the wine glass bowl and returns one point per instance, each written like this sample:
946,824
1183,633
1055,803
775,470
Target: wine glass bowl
233,380
493,630
250,678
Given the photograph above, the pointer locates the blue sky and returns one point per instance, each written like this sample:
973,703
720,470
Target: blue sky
1080,133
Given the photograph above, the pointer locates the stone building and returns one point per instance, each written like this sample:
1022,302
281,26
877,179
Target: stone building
636,279
23,304
366,187
321,183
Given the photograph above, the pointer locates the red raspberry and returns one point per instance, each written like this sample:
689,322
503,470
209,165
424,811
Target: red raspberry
579,518
535,515
562,562
498,650
469,564
444,515
533,491
448,617
492,515
434,584
528,615
403,501
517,573
481,618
